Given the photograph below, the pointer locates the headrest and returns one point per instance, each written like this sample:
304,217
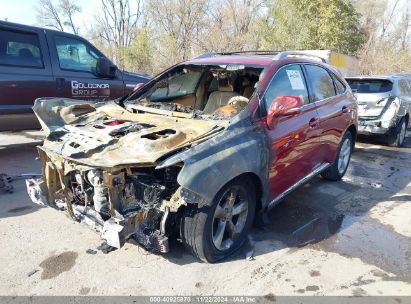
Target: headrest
224,85
228,88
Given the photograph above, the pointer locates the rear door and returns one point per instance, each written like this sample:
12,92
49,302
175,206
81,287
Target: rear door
294,140
74,67
25,69
334,108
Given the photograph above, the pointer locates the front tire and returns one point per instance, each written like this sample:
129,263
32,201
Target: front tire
396,139
337,170
214,231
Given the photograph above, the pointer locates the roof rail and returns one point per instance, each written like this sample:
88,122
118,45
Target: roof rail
286,54
211,54
278,54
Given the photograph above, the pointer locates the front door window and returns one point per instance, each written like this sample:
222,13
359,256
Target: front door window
288,81
76,55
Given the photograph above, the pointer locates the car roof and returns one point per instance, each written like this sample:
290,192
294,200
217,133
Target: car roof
25,27
256,60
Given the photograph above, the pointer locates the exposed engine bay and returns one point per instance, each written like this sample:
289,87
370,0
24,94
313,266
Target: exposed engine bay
130,202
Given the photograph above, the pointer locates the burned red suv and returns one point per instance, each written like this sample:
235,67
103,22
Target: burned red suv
198,151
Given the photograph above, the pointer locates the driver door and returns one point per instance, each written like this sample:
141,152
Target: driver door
74,68
293,140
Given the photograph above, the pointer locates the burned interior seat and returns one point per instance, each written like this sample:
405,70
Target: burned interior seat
248,91
221,97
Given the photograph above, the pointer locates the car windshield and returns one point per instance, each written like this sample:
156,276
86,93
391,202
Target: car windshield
371,86
212,91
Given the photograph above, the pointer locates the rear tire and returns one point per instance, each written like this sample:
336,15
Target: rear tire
214,231
397,137
337,170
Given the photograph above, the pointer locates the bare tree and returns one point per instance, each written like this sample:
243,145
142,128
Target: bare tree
118,21
68,9
178,25
58,15
231,25
386,25
48,14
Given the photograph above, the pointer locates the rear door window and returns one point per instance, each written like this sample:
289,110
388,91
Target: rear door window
322,85
288,81
20,49
371,86
76,55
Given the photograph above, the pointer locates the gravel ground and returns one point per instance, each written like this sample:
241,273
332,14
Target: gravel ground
346,238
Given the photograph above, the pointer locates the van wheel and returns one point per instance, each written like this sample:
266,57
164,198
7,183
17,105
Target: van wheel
214,231
397,137
337,170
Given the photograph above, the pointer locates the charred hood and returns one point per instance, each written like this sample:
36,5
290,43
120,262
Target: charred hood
108,135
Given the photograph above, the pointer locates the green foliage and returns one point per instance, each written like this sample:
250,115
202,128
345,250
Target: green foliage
138,56
312,24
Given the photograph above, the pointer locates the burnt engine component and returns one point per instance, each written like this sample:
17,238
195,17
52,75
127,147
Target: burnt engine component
100,195
149,191
136,197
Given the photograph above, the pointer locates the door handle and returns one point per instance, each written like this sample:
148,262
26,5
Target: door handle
60,83
313,122
345,110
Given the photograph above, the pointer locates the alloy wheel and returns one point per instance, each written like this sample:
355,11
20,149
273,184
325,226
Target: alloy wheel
344,157
230,218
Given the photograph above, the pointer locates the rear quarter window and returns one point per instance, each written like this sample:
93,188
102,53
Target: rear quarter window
339,86
20,49
371,86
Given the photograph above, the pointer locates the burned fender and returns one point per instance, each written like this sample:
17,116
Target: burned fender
242,148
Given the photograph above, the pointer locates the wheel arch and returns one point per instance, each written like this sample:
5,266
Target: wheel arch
258,187
247,156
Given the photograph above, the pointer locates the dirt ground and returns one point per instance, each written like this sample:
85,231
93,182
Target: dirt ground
345,238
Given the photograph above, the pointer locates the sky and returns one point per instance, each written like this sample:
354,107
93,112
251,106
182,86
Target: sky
22,11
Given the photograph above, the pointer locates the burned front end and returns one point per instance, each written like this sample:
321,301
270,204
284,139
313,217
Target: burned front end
101,167
120,203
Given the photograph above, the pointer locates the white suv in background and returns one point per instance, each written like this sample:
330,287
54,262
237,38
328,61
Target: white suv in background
384,105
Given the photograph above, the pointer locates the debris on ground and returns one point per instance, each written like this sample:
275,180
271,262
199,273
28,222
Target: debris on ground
5,180
91,251
32,272
105,248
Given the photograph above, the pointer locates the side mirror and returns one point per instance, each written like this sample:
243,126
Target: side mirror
138,86
283,106
105,68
